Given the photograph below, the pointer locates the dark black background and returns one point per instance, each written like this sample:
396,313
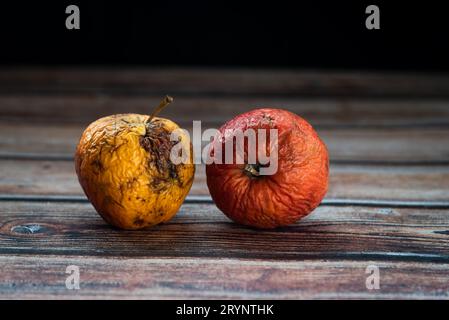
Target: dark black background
315,34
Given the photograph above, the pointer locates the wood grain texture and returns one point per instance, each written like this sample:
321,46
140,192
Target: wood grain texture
213,111
387,136
370,182
200,230
362,145
222,81
43,277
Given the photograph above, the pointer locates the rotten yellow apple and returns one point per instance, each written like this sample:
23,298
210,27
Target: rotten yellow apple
124,166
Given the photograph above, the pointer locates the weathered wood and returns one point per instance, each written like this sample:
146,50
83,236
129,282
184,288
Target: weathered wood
213,112
43,277
406,183
375,145
222,81
200,230
387,136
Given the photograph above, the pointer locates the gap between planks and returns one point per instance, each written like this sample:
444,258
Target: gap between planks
208,200
367,162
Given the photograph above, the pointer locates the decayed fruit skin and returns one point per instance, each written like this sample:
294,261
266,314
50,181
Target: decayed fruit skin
124,168
280,199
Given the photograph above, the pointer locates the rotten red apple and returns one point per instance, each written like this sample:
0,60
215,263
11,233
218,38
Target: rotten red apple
279,198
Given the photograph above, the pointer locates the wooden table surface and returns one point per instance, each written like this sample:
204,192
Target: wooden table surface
387,206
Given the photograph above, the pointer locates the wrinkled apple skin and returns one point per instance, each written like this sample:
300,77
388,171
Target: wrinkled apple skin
271,201
123,166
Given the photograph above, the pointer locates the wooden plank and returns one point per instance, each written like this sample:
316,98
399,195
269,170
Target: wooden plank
222,81
200,230
363,145
213,112
370,182
407,183
43,277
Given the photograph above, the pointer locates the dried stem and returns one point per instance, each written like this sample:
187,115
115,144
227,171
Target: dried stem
165,102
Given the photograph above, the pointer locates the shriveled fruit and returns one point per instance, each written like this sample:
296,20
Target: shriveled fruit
269,201
124,167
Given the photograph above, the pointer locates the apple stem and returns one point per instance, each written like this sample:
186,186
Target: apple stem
252,170
165,102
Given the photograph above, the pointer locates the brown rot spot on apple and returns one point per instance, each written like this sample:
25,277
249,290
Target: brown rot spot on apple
159,184
158,145
138,221
97,166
